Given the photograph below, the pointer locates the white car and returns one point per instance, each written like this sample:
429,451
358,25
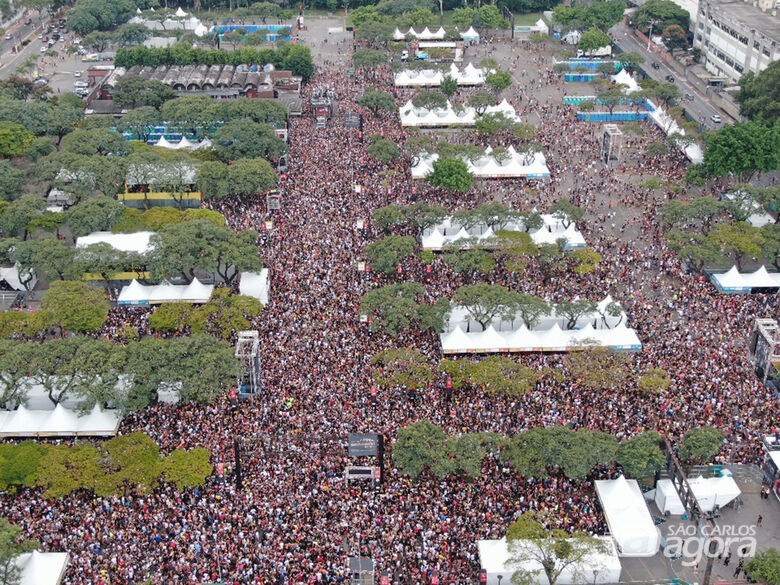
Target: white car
80,84
404,55
44,48
716,118
77,74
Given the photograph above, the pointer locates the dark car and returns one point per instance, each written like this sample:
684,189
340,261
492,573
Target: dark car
669,78
655,65
28,22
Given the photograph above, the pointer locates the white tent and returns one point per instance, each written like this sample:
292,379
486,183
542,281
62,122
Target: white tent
398,35
165,143
180,13
10,274
136,242
256,284
667,499
625,78
469,75
734,281
136,293
666,123
60,422
596,567
470,35
712,492
42,568
448,116
488,167
628,518
447,232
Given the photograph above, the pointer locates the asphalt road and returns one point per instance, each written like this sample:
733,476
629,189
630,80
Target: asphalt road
701,108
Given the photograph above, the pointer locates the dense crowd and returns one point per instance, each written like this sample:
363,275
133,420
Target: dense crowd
296,520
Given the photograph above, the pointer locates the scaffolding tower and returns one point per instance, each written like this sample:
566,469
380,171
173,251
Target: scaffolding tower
612,144
764,342
250,380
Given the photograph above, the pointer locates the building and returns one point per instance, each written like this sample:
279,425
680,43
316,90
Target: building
737,36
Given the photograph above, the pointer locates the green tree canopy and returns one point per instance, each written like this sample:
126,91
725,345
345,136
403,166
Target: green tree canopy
759,95
663,13
246,139
485,302
593,39
401,367
377,101
701,444
388,253
369,58
451,173
641,455
96,214
76,306
764,567
742,150
15,139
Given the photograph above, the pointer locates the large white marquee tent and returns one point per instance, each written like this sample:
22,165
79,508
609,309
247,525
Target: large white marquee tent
60,422
628,518
448,116
448,232
596,567
427,35
712,492
138,242
469,75
136,293
464,335
256,284
735,281
41,568
11,276
487,167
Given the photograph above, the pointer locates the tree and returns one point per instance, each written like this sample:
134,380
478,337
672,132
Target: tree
377,101
98,141
593,39
764,567
567,213
421,446
499,375
11,181
18,215
14,368
481,100
498,80
449,86
139,122
554,550
697,249
531,309
46,257
11,546
701,444
471,261
15,139
298,59
740,240
187,469
97,41
742,150
612,97
451,173
384,150
465,17
375,32
674,37
132,91
573,310
388,253
130,34
599,368
662,13
641,455
76,306
370,58
62,119
224,314
401,367
388,217
490,17
395,308
666,92
251,176
96,214
205,367
430,100
484,302
656,149
759,95
655,381
632,59
492,124
245,139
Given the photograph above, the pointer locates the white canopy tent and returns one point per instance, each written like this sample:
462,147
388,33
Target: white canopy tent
712,492
734,281
470,35
596,567
516,165
60,422
42,568
11,276
469,75
448,232
448,116
136,242
256,284
667,499
425,35
136,293
628,518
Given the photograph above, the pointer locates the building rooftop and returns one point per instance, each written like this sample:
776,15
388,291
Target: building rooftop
751,16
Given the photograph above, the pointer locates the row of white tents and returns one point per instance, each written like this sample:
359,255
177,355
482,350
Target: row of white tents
734,281
710,493
183,144
606,327
428,35
450,233
469,75
138,242
531,165
41,568
136,293
60,422
449,116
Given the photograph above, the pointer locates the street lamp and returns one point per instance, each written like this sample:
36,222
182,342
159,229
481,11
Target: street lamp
650,32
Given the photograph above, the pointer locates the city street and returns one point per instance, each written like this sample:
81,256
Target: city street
701,107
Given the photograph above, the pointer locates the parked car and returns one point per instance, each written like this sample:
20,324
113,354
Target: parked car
28,22
669,78
77,74
655,65
716,118
404,55
689,97
44,48
80,84
8,37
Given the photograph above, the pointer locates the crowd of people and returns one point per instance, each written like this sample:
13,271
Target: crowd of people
296,520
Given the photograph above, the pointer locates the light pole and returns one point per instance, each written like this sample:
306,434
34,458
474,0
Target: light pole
650,33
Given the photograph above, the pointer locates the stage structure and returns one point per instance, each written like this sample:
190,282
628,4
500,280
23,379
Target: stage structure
273,200
612,144
324,103
764,346
250,380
